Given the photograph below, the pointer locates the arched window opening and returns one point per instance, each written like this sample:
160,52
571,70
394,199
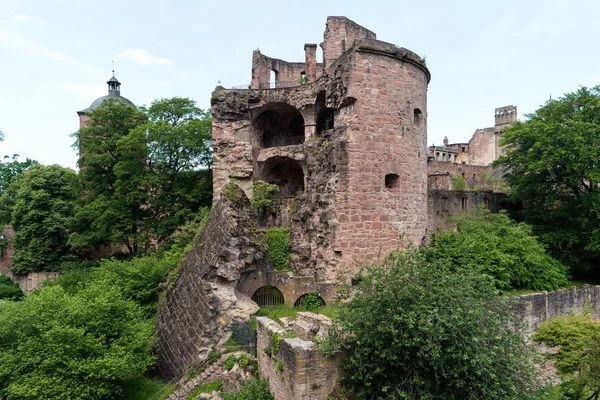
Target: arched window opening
273,79
302,78
279,125
268,296
310,297
325,119
391,181
286,173
418,116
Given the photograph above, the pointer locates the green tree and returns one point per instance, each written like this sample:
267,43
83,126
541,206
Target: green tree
9,170
578,356
54,345
495,245
45,199
145,172
553,171
105,217
415,331
9,290
178,157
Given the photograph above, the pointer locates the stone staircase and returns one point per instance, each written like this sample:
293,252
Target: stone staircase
213,372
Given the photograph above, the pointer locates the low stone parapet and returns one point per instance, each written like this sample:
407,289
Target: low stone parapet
293,366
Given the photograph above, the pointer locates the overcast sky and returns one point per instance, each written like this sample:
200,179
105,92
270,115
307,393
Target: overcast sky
55,55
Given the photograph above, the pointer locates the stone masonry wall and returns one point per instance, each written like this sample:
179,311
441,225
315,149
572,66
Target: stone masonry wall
483,147
386,137
202,299
33,280
539,307
297,371
445,203
439,175
340,34
6,260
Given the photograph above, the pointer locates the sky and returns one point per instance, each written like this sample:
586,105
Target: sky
55,55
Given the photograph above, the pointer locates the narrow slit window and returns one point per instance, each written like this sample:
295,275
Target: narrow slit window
418,114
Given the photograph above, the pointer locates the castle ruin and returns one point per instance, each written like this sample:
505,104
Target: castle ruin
345,141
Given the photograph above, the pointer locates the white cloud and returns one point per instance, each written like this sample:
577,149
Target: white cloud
142,57
12,41
24,18
86,92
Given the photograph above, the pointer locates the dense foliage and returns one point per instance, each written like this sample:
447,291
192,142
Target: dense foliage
553,171
415,331
495,245
144,172
578,356
262,196
82,338
45,198
277,244
9,290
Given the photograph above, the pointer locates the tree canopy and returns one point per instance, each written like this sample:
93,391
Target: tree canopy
45,199
413,330
553,170
144,173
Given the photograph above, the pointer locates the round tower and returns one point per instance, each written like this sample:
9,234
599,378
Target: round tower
384,206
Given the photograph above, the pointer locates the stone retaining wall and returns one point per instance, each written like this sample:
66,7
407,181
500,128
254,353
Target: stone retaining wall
536,308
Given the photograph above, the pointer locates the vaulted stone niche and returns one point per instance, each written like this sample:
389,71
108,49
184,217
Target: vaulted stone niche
278,124
286,173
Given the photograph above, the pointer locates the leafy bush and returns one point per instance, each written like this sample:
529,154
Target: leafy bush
138,279
262,196
9,290
230,362
312,301
56,345
495,245
415,331
277,244
252,390
458,183
578,357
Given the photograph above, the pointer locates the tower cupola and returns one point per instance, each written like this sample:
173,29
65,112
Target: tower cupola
114,86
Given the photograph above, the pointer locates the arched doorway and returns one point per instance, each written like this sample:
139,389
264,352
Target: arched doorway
314,299
286,173
268,296
279,124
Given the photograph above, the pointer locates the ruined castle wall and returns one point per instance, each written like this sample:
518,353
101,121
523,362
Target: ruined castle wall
6,261
483,147
287,73
440,175
340,34
445,203
202,298
297,370
386,137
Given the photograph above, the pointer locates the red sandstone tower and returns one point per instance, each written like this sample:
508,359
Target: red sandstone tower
345,141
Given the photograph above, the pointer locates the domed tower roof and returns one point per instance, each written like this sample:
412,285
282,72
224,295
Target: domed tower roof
114,91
